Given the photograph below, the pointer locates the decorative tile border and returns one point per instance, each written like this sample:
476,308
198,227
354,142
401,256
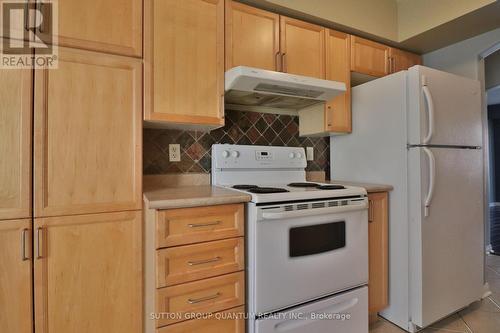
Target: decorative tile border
243,128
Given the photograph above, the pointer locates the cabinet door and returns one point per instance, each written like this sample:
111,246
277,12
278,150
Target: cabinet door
338,110
88,134
302,48
16,296
378,251
88,273
401,60
184,62
111,26
15,143
252,37
368,57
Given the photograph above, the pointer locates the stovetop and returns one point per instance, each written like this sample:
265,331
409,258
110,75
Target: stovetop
296,191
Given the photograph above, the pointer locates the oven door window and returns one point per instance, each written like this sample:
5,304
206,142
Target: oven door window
318,238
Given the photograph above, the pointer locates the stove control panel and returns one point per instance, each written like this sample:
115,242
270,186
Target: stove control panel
243,156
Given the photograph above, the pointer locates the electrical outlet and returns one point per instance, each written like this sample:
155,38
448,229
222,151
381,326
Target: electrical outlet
310,153
174,152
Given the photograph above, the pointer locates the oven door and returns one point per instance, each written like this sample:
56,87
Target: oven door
309,252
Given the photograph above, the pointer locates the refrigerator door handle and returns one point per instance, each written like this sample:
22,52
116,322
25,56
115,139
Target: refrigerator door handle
432,180
430,114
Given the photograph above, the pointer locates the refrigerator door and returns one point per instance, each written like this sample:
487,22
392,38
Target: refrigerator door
444,109
446,246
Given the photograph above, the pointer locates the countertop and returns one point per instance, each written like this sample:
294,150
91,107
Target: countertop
370,188
192,196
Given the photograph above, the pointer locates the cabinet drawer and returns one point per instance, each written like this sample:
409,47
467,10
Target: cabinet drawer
225,321
194,262
195,225
205,296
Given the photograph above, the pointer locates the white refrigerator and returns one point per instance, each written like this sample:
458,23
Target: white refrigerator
421,131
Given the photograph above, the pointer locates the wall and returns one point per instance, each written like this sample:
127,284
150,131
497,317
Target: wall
462,58
378,18
418,16
244,128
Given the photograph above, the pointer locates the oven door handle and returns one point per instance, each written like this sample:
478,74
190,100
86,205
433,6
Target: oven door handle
314,211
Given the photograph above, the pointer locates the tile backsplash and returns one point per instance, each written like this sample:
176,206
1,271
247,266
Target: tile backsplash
243,128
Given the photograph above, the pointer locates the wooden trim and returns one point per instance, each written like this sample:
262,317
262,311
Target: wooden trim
41,130
233,5
186,119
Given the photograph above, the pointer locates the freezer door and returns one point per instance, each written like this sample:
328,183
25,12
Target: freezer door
446,246
346,313
444,108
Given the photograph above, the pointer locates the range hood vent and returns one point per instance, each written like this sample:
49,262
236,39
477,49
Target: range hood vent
246,86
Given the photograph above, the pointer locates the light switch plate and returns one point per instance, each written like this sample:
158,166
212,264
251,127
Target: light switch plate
310,153
174,152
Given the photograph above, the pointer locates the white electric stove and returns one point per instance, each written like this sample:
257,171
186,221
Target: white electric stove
306,243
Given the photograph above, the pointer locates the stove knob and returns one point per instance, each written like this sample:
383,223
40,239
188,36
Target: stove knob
291,155
225,154
298,155
235,154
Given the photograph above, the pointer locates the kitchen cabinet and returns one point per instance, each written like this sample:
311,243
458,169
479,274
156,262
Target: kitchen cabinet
111,26
88,273
16,296
252,37
369,57
302,48
338,110
184,63
401,60
378,228
16,94
194,262
333,117
88,134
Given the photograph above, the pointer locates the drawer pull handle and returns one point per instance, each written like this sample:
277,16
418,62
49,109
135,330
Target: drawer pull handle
24,257
203,299
201,262
199,225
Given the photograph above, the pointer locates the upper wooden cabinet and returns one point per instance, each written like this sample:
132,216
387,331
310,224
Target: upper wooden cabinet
252,37
184,62
112,26
378,239
338,52
368,57
15,143
88,134
88,273
401,60
16,281
302,48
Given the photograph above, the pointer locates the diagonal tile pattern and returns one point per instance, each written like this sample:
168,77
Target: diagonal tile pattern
244,128
480,317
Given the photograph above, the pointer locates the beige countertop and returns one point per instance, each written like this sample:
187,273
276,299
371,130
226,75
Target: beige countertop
370,188
191,196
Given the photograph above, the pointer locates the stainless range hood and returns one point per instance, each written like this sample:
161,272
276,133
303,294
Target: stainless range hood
253,87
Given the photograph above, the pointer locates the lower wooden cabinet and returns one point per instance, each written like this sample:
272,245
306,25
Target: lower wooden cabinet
16,310
88,273
378,228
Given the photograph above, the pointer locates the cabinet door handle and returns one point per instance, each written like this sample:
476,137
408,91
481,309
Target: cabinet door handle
39,243
277,60
199,225
24,257
26,15
205,261
283,62
393,62
370,211
203,299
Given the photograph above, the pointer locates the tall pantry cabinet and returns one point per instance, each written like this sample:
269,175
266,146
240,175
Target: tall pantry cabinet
71,180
